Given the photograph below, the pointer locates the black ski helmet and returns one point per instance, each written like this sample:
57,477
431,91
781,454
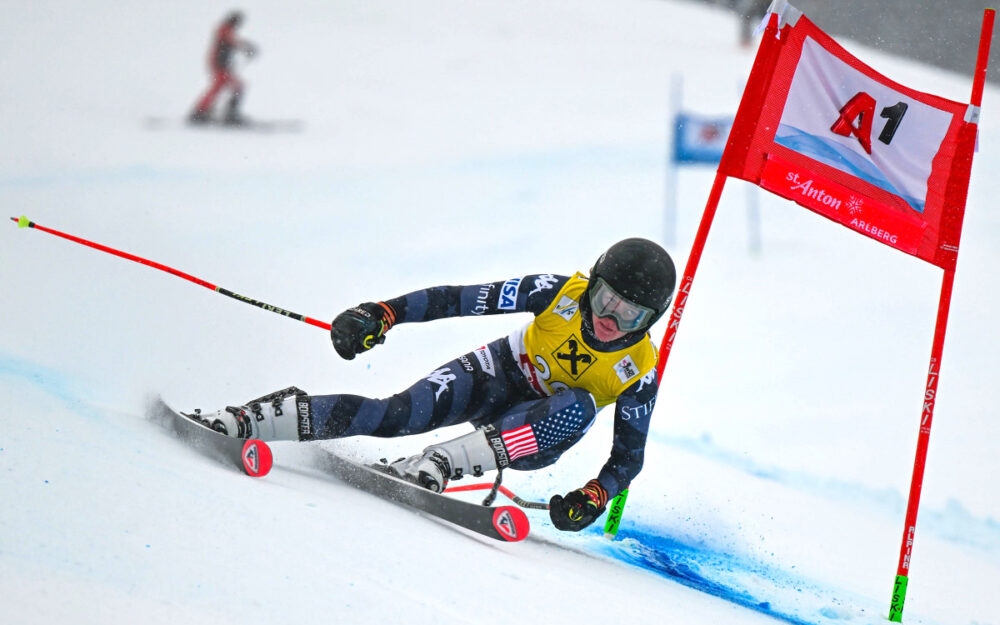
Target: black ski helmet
640,271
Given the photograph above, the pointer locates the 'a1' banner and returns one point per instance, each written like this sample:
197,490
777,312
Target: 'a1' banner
821,128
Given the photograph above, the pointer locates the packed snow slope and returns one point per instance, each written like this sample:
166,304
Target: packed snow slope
451,142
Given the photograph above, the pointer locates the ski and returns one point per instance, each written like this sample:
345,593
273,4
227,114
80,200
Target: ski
250,125
252,456
504,523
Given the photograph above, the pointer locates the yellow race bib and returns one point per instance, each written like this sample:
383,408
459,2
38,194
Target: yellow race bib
553,356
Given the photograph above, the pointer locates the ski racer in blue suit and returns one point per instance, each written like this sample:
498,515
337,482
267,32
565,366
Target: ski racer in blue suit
531,395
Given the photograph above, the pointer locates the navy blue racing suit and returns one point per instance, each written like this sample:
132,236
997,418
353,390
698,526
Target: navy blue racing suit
483,389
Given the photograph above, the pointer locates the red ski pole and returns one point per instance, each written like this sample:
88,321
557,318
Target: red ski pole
24,222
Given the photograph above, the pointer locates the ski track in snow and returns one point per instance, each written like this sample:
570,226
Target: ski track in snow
758,586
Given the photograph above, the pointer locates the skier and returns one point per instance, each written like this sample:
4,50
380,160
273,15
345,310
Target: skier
220,65
531,395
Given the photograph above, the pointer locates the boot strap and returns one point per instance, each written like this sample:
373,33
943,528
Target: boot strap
499,448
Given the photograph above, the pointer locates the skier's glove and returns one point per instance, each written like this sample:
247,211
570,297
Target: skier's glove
579,508
361,328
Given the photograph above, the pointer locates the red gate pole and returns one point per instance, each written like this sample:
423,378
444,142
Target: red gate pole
916,482
933,371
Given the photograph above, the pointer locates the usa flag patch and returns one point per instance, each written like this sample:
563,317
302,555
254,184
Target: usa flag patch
520,442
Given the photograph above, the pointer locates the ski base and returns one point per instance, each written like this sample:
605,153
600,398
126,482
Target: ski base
251,125
504,523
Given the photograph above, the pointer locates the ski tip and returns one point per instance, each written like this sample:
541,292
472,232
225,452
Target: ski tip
511,523
256,457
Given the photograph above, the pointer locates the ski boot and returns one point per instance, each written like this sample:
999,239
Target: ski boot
280,416
473,454
233,117
199,117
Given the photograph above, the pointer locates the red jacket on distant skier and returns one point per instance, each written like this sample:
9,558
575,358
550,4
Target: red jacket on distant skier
223,45
220,64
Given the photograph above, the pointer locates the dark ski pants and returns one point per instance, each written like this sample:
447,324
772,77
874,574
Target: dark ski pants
482,387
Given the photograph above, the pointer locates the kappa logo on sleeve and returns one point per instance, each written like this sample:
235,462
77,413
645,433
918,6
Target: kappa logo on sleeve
441,377
566,307
543,282
626,369
508,294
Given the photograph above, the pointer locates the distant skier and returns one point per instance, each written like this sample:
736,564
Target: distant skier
220,65
531,395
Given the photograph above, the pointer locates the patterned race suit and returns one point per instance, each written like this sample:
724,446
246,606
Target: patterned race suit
541,386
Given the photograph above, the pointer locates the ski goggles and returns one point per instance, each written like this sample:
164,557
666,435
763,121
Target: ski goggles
606,302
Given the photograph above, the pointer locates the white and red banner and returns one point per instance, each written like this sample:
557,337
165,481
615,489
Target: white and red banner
821,128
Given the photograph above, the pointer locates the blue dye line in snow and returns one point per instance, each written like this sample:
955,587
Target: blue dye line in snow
781,595
48,380
953,522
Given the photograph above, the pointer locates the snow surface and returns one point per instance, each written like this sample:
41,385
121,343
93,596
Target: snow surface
453,142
